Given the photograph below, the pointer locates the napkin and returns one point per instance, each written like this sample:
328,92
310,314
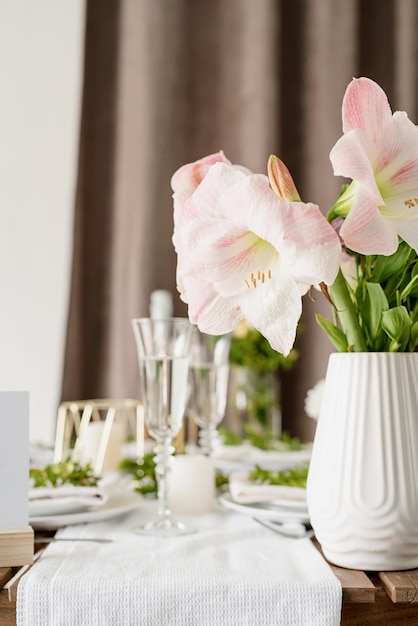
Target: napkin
232,571
249,456
65,498
245,491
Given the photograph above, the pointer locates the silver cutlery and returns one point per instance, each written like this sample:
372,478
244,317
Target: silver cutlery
55,539
294,530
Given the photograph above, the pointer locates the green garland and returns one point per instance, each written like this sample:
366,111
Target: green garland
295,477
66,472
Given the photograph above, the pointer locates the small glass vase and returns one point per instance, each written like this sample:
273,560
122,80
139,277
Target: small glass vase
254,402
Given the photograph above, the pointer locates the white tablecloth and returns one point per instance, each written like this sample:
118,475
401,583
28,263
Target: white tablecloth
232,572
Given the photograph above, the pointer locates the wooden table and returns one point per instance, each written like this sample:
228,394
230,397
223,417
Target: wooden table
9,580
369,599
7,596
378,598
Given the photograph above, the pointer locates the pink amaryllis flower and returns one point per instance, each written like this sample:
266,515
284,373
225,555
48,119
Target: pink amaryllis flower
379,152
185,180
245,253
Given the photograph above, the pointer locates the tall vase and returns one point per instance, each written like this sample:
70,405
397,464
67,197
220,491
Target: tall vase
363,479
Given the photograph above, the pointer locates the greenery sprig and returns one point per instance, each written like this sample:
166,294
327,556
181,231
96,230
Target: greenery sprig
266,440
66,472
249,348
142,472
295,477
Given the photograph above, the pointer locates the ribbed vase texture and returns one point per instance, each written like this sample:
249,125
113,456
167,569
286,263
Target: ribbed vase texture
363,477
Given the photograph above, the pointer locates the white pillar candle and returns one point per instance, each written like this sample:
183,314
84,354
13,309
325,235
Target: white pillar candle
101,445
191,484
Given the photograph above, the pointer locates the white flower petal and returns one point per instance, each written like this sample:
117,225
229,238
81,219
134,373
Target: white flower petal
213,314
275,310
365,230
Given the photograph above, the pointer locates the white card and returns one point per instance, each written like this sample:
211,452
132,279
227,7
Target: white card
14,460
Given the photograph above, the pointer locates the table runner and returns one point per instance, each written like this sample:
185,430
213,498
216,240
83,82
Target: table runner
232,572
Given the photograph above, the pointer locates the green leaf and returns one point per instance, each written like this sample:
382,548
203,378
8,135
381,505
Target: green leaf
294,477
406,291
397,325
386,267
347,314
376,304
62,473
335,334
414,337
414,272
143,473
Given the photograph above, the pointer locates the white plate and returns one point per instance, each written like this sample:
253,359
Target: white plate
116,505
47,508
289,504
266,510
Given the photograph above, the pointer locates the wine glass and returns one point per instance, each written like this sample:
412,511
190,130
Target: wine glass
209,373
163,357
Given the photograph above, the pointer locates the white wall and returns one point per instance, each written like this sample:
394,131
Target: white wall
41,57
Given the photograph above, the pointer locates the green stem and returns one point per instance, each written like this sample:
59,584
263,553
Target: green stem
347,314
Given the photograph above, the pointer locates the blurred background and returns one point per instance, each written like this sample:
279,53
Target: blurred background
101,101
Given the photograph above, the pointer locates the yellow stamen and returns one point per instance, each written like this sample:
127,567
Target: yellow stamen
257,276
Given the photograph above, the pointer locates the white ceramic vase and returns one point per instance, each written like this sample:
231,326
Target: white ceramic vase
363,479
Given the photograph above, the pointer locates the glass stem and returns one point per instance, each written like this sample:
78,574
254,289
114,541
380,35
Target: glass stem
208,439
163,454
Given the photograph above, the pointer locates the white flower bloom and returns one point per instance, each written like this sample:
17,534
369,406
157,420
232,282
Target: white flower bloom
313,399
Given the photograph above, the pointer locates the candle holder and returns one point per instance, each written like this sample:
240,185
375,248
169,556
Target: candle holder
99,427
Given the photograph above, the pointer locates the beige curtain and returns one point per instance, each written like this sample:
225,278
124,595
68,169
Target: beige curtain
169,81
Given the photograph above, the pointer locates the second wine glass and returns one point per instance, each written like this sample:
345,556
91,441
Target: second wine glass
209,373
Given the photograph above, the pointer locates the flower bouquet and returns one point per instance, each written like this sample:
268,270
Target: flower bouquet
249,248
